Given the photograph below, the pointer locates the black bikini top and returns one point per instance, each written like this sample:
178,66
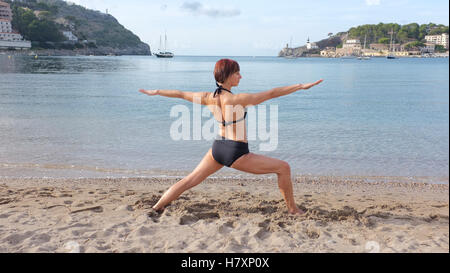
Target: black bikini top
224,123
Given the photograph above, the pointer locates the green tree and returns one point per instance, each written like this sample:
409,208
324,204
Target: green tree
414,45
44,31
22,18
440,49
384,41
35,29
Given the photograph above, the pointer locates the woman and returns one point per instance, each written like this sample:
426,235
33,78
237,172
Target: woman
231,147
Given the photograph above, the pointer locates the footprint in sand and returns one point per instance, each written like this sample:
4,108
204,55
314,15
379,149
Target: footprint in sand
227,227
188,219
312,234
16,239
154,215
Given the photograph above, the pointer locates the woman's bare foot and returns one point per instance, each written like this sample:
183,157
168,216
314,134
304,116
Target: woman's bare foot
296,211
158,210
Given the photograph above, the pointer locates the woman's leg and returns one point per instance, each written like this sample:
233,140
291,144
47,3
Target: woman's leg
207,167
259,164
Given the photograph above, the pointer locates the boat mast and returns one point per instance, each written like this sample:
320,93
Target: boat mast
390,46
165,44
365,39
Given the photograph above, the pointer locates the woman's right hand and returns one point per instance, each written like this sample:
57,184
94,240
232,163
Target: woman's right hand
309,85
149,92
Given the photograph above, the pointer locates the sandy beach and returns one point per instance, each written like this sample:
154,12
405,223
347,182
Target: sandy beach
237,215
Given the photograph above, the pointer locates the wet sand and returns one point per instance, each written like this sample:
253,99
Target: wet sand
223,215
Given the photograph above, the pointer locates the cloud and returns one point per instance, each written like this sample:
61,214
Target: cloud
373,2
197,8
163,7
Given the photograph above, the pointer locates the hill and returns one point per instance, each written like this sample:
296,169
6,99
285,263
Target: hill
43,22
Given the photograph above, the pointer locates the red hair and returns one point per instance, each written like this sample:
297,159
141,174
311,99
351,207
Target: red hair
224,69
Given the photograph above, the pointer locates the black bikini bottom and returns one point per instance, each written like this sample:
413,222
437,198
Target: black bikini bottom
227,151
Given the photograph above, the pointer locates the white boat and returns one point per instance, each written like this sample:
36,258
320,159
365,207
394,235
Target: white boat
165,53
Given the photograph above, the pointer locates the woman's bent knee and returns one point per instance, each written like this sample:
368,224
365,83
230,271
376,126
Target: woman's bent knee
284,168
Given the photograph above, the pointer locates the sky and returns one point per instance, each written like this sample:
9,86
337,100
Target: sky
257,28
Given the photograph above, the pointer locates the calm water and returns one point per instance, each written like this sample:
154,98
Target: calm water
83,116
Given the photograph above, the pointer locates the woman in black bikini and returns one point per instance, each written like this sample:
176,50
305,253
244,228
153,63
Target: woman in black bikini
231,147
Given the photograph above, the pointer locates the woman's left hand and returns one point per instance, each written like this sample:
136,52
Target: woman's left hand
149,92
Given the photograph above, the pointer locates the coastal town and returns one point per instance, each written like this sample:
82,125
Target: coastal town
352,47
13,40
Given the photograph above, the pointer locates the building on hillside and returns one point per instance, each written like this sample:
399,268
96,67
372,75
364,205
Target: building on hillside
379,47
8,38
428,48
349,48
353,44
386,47
5,11
328,52
438,39
311,45
69,35
5,25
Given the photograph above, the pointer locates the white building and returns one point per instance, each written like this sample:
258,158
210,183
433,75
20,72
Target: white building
69,35
311,45
5,25
8,38
15,44
438,39
353,44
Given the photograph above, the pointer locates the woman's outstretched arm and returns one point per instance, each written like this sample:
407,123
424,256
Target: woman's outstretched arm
257,98
195,97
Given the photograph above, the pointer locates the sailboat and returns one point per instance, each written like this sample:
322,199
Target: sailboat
391,55
361,57
165,53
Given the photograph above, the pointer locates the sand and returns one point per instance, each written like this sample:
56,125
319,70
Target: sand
232,215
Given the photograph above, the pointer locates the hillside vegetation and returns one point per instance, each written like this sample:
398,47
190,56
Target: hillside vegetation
43,22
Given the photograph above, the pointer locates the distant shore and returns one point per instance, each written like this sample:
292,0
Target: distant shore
441,55
61,52
65,52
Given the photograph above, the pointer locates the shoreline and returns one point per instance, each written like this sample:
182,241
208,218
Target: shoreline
221,215
70,53
61,172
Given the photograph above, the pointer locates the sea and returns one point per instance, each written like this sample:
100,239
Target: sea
82,116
